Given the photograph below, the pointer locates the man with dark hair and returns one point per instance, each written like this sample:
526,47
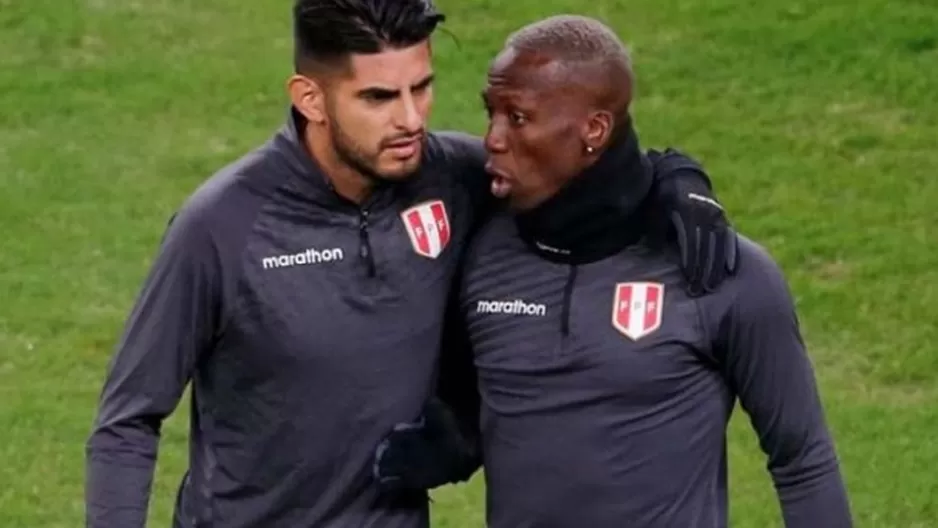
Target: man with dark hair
606,388
302,290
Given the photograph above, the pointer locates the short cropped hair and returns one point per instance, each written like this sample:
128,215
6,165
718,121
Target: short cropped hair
572,38
587,51
327,32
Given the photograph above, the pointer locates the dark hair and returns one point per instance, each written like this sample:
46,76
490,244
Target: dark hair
328,31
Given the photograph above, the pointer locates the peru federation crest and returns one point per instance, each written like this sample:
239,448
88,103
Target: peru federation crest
637,308
428,228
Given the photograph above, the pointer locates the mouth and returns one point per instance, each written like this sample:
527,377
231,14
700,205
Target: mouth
404,149
501,180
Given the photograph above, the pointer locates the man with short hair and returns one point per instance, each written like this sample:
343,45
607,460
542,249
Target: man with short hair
302,290
606,388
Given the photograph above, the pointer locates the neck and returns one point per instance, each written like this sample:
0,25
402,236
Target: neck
599,213
345,180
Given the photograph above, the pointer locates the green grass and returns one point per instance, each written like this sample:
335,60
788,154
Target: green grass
817,119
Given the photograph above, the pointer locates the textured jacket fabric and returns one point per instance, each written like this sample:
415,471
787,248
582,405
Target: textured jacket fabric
606,389
308,327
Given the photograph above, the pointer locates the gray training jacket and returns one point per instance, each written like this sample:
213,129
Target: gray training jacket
606,392
308,327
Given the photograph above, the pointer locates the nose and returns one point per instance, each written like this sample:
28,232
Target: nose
409,117
495,136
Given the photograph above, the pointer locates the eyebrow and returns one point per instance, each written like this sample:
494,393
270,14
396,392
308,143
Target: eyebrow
514,98
387,93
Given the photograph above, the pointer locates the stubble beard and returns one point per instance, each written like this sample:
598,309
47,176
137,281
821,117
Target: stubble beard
352,155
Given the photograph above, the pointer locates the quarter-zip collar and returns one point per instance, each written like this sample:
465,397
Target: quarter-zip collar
312,182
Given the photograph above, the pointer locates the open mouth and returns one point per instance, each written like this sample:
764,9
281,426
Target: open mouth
501,181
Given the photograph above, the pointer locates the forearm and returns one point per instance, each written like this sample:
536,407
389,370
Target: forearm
812,491
802,459
457,386
458,391
444,445
119,472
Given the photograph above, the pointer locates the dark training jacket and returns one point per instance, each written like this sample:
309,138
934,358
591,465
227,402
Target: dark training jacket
606,389
309,326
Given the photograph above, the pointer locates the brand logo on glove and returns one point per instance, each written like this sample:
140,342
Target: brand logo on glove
705,199
637,308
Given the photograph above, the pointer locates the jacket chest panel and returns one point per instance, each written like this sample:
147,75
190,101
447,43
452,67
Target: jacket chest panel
632,331
310,295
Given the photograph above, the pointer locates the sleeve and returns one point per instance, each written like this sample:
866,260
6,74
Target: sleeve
767,365
457,384
172,322
467,152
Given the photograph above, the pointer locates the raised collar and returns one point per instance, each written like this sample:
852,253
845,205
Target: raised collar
310,179
599,212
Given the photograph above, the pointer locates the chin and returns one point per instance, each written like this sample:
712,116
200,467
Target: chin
519,204
513,205
403,171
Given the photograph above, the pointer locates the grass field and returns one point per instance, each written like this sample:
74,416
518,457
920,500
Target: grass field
817,119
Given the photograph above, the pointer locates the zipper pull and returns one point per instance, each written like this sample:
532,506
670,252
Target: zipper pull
364,248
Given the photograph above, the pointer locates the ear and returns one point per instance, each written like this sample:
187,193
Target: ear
596,130
307,97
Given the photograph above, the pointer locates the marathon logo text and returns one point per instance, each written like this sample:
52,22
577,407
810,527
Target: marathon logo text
310,256
516,307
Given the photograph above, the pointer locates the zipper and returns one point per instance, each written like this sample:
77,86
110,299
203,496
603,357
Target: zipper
567,299
364,244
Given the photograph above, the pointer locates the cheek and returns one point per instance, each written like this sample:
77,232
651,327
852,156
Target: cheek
362,126
548,156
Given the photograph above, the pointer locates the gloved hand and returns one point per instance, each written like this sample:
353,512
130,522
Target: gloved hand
427,453
707,243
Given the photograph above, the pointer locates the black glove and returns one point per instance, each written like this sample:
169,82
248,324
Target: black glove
425,454
706,241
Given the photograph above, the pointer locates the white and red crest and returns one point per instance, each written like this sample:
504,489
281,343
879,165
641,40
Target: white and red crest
638,308
428,227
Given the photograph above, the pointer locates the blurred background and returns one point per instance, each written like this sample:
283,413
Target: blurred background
817,120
